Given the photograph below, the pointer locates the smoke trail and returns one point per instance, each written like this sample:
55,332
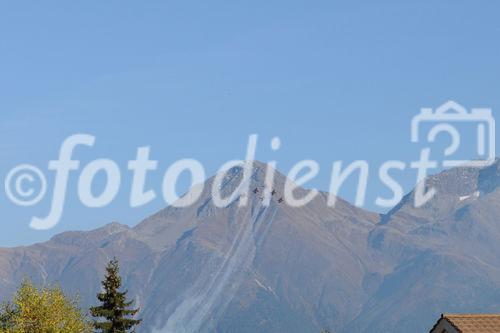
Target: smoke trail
205,302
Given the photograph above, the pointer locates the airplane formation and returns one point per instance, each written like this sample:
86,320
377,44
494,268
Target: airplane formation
273,192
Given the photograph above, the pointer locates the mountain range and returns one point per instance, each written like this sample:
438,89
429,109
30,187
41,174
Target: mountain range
276,268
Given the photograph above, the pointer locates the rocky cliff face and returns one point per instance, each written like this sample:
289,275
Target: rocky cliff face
284,269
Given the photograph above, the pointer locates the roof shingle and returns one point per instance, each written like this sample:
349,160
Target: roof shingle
474,323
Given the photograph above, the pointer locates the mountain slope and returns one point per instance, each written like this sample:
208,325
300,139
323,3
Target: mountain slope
203,268
445,255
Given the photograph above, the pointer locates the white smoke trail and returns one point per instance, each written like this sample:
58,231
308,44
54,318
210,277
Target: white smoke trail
207,300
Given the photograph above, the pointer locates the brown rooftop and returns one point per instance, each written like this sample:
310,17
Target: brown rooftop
474,323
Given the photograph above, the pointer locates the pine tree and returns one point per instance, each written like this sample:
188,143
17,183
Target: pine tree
114,309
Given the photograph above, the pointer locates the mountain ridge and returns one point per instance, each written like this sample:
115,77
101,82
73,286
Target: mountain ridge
279,268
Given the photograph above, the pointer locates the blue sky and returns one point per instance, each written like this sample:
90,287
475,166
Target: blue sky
335,80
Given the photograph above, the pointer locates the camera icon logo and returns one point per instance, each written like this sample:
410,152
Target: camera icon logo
450,114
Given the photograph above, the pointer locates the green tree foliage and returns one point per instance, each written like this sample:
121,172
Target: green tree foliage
114,315
44,310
